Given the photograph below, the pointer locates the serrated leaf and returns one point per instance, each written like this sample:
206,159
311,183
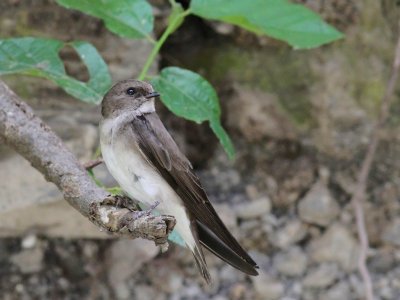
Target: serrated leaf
128,18
189,95
292,23
39,57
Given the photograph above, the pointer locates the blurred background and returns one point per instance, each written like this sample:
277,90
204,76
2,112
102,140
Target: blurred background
300,122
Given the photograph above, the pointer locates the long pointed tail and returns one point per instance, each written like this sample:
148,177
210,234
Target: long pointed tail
209,240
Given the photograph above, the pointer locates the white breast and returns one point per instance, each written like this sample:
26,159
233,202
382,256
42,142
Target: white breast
140,180
135,176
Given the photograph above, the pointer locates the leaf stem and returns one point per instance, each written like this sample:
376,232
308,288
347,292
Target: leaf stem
172,26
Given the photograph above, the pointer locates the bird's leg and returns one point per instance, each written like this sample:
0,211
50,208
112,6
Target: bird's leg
133,220
148,211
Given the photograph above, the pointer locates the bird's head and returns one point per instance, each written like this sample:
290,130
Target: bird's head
128,95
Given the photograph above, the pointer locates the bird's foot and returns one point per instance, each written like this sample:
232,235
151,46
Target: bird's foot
151,227
121,201
148,211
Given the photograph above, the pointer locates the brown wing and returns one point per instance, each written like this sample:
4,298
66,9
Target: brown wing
160,149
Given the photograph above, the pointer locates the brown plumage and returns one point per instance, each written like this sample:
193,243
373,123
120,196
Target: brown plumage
160,151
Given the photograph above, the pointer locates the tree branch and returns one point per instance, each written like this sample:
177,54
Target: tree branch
36,142
359,193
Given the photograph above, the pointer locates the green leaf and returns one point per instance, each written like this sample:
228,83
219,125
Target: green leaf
223,137
190,96
128,18
293,23
39,57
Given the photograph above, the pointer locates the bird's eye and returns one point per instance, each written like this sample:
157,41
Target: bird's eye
131,91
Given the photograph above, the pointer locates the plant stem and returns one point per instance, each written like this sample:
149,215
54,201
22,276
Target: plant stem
359,194
172,26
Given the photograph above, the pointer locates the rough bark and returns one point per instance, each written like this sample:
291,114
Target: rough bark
35,141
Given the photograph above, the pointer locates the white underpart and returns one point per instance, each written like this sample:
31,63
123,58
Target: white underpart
146,107
149,186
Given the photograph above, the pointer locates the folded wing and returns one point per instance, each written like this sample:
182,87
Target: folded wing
159,149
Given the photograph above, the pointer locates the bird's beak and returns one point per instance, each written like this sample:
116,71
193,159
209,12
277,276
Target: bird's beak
152,95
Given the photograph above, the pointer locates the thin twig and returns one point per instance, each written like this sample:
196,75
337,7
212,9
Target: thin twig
359,193
92,163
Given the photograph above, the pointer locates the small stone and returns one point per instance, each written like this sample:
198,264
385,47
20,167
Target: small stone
122,291
263,260
384,289
267,288
167,281
338,245
382,261
127,257
227,179
227,215
309,294
222,28
321,276
291,263
29,260
396,280
357,286
251,226
318,206
217,297
147,292
391,233
174,283
339,291
253,209
296,289
63,283
252,191
189,292
237,291
29,241
397,255
19,288
272,185
90,249
293,232
226,275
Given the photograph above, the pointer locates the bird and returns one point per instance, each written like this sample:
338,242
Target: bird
146,162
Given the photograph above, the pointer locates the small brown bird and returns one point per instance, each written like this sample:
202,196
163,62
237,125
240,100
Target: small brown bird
148,165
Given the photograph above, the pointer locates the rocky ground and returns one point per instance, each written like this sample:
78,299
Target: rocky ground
300,122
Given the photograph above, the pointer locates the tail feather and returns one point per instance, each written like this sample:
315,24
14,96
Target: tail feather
204,236
201,263
198,252
209,240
